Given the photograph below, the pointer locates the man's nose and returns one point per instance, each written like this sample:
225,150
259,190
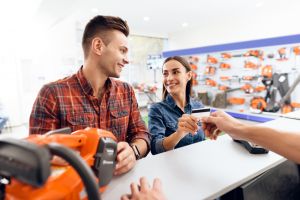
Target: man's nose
126,61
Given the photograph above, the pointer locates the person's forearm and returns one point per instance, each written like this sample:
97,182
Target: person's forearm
281,142
171,141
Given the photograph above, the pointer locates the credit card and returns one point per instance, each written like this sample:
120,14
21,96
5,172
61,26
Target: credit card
201,112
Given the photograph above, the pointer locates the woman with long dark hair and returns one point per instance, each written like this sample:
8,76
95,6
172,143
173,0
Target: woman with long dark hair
170,123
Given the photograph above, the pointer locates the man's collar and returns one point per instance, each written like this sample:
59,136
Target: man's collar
87,87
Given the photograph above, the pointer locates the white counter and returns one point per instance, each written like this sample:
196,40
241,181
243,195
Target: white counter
205,170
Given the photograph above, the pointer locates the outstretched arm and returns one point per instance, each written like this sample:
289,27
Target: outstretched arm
282,142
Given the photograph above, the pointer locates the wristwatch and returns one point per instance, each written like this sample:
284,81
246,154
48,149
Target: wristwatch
135,151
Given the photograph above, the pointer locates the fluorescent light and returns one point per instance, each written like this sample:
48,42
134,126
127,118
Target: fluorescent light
259,4
95,10
185,24
146,18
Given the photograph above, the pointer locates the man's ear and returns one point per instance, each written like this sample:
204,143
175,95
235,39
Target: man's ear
97,46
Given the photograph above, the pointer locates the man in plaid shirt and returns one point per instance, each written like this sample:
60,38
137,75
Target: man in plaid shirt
93,98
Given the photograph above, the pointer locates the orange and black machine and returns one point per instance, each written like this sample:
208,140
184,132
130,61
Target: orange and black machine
30,169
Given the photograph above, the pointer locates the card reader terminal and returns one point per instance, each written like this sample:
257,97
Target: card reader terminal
252,148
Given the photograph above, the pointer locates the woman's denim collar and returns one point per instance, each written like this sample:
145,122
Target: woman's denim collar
169,100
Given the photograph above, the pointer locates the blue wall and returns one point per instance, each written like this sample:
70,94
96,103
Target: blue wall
235,46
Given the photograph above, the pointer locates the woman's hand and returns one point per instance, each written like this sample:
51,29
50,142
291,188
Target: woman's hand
187,124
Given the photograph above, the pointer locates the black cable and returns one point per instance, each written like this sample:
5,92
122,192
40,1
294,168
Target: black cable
80,166
2,191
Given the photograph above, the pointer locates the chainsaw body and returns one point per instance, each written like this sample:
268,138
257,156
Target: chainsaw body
97,148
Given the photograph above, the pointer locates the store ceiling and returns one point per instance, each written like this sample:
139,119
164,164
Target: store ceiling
165,16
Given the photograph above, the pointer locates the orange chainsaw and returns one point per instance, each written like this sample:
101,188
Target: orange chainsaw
210,82
247,78
282,54
267,71
255,53
250,65
211,60
225,78
236,100
210,70
286,108
26,170
225,66
258,103
223,87
226,55
296,50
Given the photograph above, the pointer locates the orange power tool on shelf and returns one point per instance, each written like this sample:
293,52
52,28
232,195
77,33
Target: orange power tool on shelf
256,53
286,108
282,54
211,60
236,100
248,78
267,71
225,78
296,50
210,70
27,170
259,88
258,103
223,87
250,65
225,66
210,82
247,88
226,55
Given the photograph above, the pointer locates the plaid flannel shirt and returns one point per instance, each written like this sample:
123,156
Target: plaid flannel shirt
69,102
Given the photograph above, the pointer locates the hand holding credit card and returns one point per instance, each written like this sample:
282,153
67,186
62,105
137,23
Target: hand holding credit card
205,112
201,112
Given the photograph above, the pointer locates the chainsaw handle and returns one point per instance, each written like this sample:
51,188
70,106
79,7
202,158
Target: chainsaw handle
71,141
84,171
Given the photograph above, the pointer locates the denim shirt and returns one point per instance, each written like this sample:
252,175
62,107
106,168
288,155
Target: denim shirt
163,121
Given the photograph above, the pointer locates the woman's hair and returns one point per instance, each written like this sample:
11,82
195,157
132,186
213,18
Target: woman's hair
188,68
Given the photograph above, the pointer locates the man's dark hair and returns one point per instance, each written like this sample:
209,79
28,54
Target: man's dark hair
101,25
